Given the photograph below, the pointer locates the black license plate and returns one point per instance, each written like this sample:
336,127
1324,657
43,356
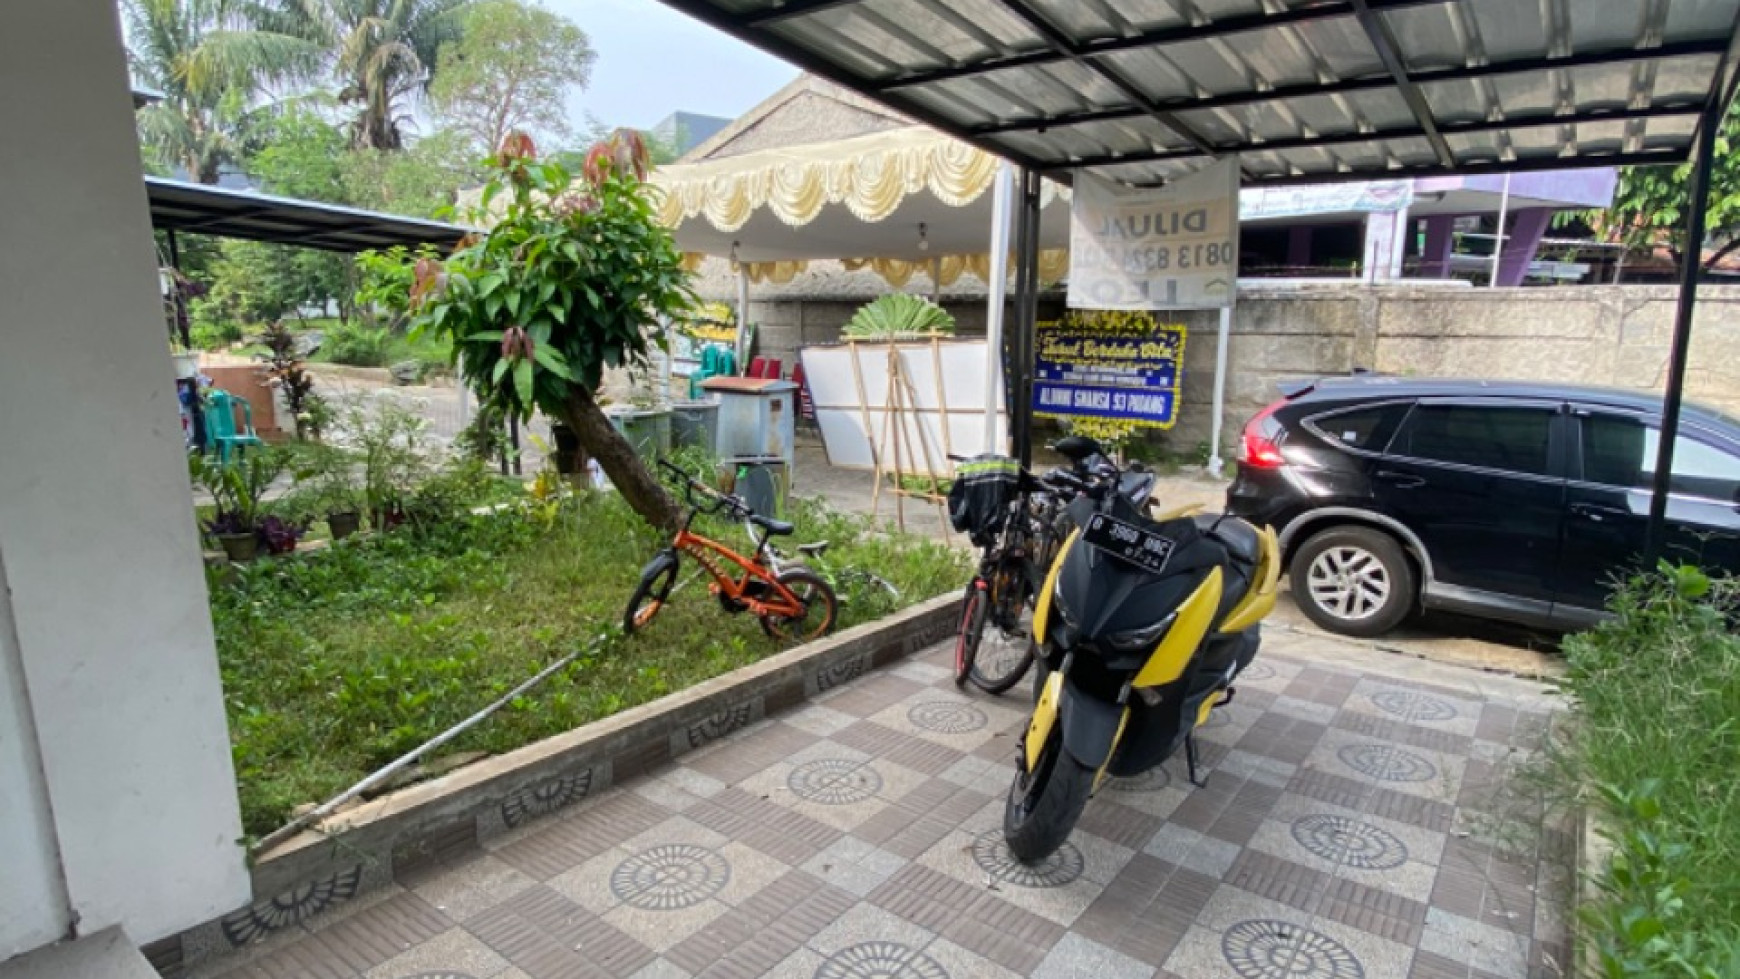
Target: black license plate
1128,542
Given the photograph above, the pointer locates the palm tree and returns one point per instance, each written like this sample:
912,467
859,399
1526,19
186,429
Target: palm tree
209,61
382,53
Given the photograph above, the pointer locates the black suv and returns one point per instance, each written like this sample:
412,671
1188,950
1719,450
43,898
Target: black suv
1507,500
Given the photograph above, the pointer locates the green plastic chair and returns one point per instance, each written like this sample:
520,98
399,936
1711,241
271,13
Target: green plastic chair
716,360
221,432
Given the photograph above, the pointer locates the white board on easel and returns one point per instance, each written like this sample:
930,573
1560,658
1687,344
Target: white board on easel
843,414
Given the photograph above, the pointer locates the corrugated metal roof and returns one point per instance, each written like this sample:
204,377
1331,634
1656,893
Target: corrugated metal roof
1301,90
260,217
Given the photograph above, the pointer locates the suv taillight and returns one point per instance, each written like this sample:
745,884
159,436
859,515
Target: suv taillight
1257,446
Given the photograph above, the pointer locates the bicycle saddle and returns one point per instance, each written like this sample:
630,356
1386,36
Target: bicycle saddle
813,550
778,528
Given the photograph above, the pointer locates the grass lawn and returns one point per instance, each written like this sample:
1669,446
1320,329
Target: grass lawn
1654,745
337,661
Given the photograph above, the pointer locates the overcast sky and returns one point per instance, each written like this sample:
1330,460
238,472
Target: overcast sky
653,61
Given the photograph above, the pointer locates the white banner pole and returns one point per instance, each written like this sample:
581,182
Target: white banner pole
995,303
1215,462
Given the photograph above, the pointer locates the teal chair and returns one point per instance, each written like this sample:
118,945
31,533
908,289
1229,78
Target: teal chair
716,360
222,435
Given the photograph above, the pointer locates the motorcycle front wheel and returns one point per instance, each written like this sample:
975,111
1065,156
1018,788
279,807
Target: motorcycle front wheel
1044,804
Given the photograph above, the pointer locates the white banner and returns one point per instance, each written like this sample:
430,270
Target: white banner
1175,247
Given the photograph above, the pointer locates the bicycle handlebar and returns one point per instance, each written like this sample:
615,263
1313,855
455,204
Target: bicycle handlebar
721,501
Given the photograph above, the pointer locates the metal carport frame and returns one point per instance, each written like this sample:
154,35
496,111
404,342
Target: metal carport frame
1300,91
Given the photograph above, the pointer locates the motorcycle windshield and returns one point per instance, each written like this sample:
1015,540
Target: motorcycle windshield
1113,583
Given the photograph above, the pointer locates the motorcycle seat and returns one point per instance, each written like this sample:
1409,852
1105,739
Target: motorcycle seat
1242,541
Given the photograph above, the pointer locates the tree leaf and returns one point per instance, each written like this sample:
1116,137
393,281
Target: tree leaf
523,382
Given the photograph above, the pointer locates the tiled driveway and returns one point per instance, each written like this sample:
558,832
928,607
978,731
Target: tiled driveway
1353,827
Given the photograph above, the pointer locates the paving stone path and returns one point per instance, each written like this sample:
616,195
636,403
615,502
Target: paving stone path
1360,822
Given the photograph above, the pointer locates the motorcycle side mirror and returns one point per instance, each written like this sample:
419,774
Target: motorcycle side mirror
1075,448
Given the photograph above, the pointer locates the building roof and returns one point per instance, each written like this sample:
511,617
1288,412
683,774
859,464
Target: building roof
1145,91
181,206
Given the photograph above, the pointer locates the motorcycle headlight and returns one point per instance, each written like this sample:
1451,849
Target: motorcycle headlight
1138,640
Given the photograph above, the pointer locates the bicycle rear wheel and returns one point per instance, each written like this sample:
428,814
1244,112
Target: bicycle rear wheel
820,607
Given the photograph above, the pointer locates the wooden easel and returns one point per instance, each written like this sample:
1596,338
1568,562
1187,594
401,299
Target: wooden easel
901,405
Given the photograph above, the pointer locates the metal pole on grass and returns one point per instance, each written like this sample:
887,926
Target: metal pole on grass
1691,266
404,761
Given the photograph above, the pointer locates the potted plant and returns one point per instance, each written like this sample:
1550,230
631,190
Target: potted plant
238,492
324,472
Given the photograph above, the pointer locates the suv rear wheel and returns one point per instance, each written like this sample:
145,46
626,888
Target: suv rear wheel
1353,580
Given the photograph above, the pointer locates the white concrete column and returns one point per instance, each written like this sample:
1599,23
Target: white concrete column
117,799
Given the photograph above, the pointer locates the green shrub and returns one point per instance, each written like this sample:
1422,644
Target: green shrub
898,314
1653,745
355,345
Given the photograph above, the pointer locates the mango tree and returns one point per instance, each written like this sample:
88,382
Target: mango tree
572,277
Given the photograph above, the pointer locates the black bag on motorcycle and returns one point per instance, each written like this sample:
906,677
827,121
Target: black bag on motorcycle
979,497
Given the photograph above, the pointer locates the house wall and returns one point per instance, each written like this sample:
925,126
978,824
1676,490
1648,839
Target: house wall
117,798
1604,335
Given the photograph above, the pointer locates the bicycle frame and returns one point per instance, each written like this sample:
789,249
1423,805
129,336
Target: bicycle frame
776,599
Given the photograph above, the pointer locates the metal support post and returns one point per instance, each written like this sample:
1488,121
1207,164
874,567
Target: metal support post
1691,266
1002,190
1026,313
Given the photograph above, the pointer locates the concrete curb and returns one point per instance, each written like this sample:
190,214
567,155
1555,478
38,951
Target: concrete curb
1593,851
398,834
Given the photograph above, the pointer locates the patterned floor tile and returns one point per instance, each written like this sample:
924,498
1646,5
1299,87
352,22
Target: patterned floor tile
1357,809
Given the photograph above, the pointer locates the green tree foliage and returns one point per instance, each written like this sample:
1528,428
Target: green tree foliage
381,53
419,180
567,283
511,71
208,62
1649,208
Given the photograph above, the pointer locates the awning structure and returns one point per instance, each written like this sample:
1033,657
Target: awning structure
893,201
179,206
1143,91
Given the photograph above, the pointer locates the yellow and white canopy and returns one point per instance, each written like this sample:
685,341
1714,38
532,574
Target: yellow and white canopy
899,202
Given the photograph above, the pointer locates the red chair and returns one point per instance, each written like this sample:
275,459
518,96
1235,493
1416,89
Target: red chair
756,366
770,369
806,407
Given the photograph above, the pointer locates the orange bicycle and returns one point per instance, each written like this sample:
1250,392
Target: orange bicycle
790,600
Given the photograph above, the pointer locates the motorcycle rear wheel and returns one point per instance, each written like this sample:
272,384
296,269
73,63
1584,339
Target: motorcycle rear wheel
1045,804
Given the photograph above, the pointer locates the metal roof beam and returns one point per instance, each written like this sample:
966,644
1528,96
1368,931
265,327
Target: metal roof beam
1355,85
1412,132
1389,52
1061,43
1643,158
1145,39
789,9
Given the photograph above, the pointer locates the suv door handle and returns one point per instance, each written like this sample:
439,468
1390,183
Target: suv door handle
1400,480
1596,512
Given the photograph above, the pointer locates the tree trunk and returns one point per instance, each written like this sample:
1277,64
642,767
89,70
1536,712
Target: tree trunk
627,473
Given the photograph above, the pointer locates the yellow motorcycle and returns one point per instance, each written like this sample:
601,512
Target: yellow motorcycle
1140,630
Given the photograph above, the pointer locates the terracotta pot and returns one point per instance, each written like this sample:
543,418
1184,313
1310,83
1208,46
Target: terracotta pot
240,548
343,524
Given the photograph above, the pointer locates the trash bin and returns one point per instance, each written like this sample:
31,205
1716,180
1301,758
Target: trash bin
756,417
695,423
647,430
763,484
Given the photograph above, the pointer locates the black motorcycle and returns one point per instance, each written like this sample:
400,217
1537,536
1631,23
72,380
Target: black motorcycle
1140,629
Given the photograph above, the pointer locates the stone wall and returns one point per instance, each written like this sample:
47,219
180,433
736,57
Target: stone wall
1602,335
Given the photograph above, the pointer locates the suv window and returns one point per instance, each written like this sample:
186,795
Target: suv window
1621,452
1489,436
1359,428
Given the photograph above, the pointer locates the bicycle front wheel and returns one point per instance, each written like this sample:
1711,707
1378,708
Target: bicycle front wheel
1002,657
973,609
651,594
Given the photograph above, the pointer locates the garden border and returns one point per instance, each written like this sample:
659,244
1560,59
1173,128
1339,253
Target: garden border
372,845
